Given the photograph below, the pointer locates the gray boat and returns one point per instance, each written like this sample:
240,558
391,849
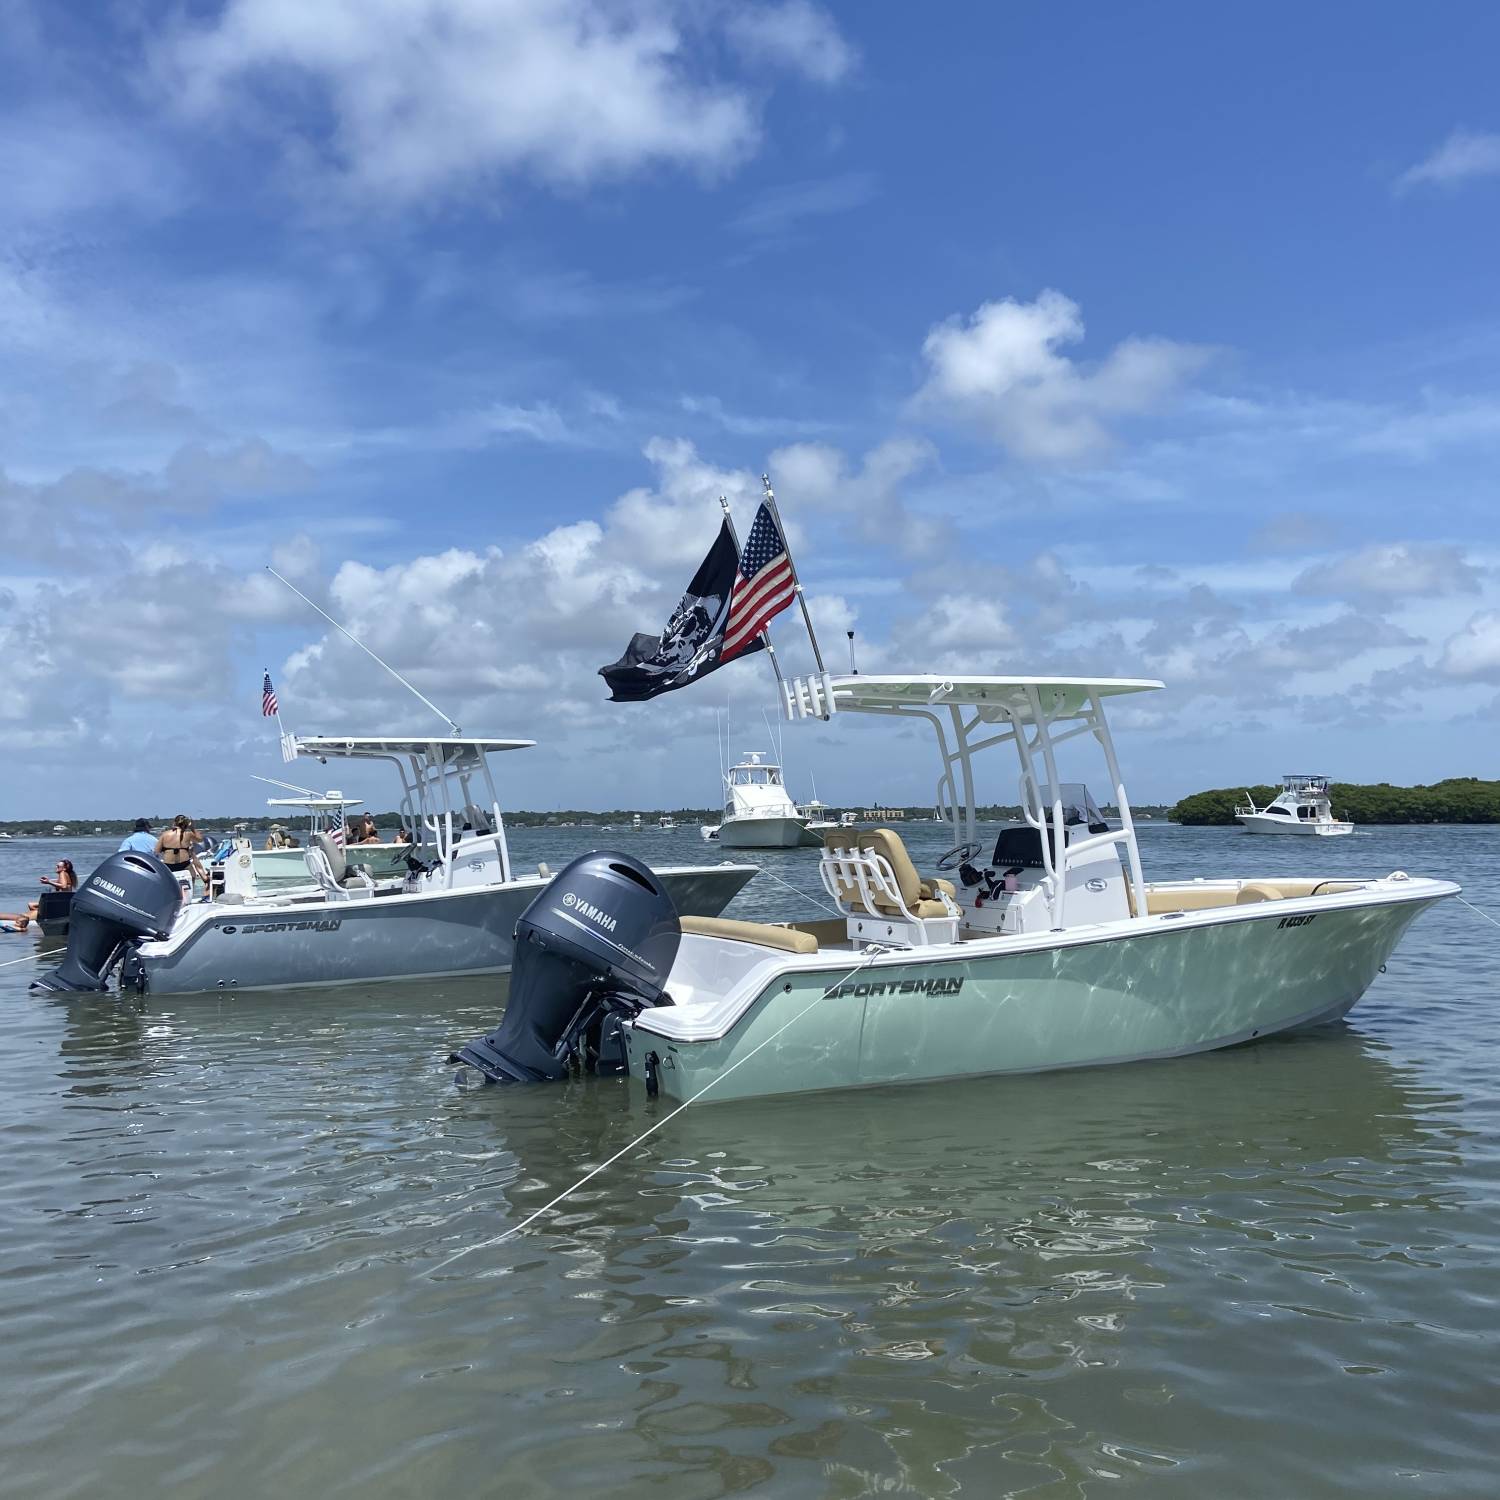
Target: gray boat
451,910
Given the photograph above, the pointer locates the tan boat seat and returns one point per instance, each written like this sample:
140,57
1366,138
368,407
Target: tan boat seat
920,896
786,939
1257,890
1187,899
1207,897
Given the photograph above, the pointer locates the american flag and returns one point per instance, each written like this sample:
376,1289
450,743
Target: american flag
763,587
336,825
269,707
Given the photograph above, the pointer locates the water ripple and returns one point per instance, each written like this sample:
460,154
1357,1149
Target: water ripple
230,1230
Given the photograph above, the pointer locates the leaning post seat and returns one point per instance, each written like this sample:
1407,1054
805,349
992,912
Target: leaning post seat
871,878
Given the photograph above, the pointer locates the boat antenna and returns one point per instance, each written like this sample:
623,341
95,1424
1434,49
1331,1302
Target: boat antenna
306,791
853,670
349,634
765,719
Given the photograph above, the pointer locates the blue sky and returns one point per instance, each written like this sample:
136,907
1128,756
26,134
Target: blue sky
1150,340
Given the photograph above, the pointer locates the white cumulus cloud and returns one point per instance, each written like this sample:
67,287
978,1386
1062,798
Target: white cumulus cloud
794,34
1474,651
1393,569
421,95
1002,369
1465,154
819,477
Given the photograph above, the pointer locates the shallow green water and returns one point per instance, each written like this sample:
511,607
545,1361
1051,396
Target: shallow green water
228,1264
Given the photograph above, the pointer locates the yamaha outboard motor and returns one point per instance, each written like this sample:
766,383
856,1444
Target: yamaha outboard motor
130,896
594,947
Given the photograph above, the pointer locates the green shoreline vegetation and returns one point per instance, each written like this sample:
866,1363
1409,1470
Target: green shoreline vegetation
1460,799
619,820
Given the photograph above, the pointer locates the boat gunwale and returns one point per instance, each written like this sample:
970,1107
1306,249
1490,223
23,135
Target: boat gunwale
277,909
776,967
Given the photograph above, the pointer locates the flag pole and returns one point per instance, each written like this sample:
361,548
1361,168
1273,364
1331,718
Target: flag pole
765,634
765,480
287,741
280,727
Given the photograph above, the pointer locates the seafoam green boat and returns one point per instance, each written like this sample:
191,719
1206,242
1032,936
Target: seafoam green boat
1046,949
328,814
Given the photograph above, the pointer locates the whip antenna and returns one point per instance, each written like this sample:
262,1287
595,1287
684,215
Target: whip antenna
379,661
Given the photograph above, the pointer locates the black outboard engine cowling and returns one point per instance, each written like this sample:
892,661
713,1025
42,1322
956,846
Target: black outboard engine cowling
598,943
130,896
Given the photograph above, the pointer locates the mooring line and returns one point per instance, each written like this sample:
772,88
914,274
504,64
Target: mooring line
803,895
1478,911
30,958
872,953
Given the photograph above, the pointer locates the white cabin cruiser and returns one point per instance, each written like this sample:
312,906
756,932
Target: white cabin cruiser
759,812
1049,950
452,908
1303,807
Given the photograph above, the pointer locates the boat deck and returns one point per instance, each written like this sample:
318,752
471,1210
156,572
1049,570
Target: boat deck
831,934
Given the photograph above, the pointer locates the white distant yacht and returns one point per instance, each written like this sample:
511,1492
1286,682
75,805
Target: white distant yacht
1302,807
759,812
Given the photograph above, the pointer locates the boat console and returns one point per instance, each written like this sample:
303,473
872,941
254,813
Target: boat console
1013,892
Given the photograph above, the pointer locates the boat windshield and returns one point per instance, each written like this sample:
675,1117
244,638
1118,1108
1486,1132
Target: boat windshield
1078,806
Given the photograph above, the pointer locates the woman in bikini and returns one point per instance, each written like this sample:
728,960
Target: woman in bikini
175,848
67,880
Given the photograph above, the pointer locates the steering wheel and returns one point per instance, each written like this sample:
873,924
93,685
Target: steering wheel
955,857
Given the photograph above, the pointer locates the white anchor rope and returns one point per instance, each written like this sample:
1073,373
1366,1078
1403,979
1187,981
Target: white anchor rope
1478,910
30,958
797,891
871,953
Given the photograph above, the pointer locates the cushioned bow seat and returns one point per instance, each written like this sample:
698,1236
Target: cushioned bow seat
784,939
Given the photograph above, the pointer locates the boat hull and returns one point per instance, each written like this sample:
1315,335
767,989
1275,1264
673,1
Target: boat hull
426,935
766,833
1155,988
1304,827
